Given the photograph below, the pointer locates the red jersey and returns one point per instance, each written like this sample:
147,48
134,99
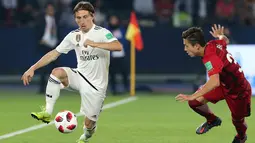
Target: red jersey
218,60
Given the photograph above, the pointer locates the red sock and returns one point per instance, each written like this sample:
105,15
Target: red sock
202,109
241,127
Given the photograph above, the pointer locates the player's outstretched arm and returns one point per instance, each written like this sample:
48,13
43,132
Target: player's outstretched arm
45,60
218,32
111,46
212,83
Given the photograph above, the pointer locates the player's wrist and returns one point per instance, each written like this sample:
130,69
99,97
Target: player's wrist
33,68
221,36
96,44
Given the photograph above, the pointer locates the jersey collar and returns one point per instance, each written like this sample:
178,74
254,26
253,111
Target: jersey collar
91,29
204,51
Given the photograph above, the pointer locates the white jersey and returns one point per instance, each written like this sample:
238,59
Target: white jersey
92,63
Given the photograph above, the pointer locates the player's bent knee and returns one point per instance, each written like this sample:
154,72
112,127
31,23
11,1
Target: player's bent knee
202,100
59,73
194,103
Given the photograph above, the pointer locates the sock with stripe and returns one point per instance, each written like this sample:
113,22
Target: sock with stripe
52,93
89,132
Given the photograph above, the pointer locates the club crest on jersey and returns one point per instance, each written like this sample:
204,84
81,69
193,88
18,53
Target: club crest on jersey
78,39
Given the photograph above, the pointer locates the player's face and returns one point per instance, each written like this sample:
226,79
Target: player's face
84,19
192,51
50,10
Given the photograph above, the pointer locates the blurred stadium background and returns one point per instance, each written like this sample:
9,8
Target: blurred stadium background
162,69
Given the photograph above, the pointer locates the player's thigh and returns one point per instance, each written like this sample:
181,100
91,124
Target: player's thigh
73,79
214,95
91,101
240,107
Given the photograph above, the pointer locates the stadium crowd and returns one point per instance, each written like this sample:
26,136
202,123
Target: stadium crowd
176,13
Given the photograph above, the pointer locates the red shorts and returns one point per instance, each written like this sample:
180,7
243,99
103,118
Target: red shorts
240,107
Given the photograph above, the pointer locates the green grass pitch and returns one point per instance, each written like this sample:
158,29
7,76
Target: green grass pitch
153,118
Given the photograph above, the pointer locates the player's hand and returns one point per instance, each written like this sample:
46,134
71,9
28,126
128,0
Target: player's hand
183,97
27,76
89,43
217,31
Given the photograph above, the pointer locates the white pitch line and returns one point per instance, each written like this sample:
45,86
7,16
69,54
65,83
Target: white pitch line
36,127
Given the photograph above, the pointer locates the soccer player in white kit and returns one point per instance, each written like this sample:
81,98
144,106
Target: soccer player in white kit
92,45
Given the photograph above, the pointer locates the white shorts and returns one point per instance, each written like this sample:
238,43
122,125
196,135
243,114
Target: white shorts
91,99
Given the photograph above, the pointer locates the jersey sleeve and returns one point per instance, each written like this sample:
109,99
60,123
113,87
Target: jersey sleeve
213,65
65,46
107,36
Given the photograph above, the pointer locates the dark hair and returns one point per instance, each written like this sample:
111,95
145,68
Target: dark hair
83,5
194,35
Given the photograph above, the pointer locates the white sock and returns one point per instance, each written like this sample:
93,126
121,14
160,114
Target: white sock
89,132
52,93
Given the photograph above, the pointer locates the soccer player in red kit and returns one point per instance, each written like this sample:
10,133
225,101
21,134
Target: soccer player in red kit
226,81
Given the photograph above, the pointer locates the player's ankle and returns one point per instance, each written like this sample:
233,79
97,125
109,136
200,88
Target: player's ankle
47,112
92,130
212,118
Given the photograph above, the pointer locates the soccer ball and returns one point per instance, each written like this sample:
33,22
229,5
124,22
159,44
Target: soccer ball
65,121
